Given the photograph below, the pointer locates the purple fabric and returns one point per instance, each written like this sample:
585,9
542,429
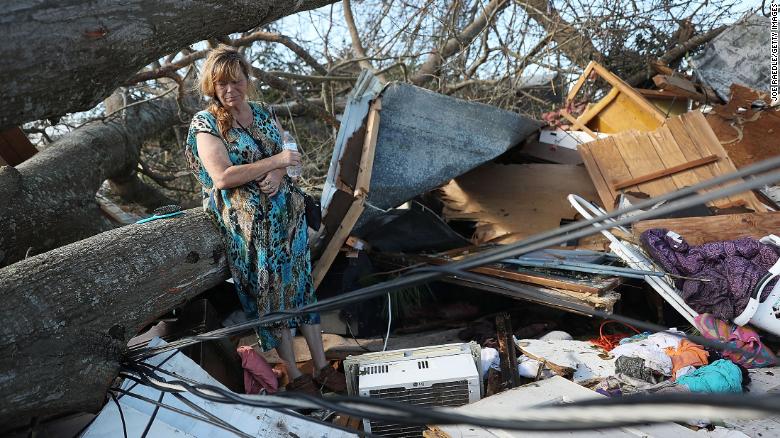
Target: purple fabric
733,267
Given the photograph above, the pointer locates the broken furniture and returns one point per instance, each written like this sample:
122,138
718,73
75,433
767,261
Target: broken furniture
444,375
621,109
682,152
421,140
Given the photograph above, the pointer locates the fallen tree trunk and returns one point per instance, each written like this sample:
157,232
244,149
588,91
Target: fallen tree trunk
69,55
49,200
68,314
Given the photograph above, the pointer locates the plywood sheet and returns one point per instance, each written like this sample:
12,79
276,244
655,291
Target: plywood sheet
700,230
634,154
513,201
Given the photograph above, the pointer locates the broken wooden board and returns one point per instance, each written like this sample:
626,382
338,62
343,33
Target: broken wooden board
700,230
669,103
633,154
621,109
553,391
556,298
582,284
513,201
352,188
749,134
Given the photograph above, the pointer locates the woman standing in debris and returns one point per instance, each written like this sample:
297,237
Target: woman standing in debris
234,148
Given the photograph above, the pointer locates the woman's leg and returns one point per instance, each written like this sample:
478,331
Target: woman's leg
313,335
287,353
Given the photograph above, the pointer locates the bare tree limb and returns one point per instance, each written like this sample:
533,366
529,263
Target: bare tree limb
357,46
429,70
282,85
675,54
571,41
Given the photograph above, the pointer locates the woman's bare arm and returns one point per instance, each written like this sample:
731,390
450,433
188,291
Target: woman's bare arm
226,175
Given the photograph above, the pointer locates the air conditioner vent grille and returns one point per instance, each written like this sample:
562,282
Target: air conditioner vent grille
375,369
450,394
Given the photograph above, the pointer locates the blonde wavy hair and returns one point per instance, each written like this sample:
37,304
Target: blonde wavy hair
224,64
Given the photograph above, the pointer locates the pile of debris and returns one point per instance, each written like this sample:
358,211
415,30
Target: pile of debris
420,180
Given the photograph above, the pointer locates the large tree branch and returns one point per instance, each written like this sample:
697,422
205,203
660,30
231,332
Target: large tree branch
675,54
572,42
429,70
69,55
68,313
285,41
49,200
357,45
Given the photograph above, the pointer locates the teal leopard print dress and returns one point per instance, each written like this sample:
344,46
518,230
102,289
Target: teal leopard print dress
265,237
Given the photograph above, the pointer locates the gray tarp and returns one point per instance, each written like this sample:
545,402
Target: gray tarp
738,55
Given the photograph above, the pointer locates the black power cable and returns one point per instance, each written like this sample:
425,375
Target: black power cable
121,414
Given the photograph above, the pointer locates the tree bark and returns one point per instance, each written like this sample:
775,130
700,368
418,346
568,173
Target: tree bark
49,200
68,314
68,55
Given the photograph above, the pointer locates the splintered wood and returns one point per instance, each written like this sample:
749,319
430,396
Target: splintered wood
667,159
514,201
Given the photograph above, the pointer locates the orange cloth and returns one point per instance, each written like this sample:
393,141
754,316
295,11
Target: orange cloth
686,354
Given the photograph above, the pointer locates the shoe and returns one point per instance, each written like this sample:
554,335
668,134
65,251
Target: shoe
304,384
330,378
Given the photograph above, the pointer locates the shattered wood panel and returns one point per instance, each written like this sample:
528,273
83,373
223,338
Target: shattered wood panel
715,228
514,201
555,298
748,135
683,139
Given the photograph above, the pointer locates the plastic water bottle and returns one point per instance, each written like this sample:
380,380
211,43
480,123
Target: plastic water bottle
288,142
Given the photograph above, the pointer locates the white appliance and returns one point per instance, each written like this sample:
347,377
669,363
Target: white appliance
443,375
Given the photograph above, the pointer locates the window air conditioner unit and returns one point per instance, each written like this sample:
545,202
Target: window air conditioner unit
444,375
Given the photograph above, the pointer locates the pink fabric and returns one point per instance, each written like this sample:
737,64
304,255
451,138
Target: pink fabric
257,373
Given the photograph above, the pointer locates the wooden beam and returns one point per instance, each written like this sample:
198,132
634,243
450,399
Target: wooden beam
598,106
360,194
680,86
369,147
698,230
576,124
666,172
580,82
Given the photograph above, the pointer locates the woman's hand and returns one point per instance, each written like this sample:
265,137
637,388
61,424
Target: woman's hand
287,158
272,181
